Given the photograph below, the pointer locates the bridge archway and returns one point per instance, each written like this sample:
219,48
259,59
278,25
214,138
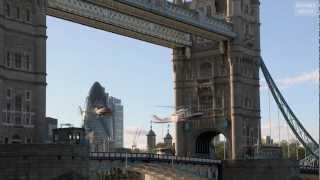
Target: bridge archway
211,144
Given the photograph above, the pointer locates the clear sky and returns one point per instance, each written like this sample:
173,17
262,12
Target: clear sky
140,73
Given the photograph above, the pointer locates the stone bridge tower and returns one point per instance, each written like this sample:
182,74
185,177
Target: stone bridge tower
22,70
220,79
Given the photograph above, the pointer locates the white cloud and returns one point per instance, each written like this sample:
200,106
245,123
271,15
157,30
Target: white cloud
312,77
307,77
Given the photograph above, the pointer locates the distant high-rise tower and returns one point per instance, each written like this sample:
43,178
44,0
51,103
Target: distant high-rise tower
151,140
117,117
104,118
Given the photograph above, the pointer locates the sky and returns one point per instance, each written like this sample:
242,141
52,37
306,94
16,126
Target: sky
141,74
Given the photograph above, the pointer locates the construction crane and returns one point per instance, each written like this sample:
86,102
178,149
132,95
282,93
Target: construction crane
135,138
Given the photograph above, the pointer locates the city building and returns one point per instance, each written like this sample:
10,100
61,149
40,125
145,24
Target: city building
103,120
267,140
51,124
117,117
70,135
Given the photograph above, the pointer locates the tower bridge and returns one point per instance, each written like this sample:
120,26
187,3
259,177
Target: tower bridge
216,61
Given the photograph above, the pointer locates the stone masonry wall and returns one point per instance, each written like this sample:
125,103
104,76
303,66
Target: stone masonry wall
43,162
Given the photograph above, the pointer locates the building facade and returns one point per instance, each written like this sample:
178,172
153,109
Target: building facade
103,120
117,117
51,124
22,71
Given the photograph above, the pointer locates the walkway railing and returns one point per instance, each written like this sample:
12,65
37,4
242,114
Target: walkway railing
150,157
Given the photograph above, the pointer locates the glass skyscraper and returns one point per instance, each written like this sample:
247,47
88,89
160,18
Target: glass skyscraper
103,120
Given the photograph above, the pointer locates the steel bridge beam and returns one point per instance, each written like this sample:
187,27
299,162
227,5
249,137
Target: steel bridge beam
297,128
140,22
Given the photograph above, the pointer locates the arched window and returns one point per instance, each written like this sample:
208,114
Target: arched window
205,70
205,99
16,139
209,11
18,13
28,15
8,9
18,103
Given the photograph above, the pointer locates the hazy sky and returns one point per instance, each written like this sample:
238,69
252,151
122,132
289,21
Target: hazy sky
140,73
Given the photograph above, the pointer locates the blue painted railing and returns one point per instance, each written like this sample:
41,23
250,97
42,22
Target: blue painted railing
150,157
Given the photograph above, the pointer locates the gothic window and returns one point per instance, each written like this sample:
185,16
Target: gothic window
18,119
246,29
16,139
18,13
28,95
8,117
27,119
217,6
205,102
244,127
8,9
223,70
247,9
27,107
246,102
6,140
205,70
9,93
18,103
28,15
205,99
18,60
209,11
27,65
8,106
218,102
8,59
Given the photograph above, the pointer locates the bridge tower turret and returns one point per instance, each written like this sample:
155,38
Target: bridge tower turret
151,140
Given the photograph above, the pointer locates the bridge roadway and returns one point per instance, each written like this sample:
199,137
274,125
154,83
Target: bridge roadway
155,165
171,160
156,21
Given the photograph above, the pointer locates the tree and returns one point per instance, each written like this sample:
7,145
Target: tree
292,150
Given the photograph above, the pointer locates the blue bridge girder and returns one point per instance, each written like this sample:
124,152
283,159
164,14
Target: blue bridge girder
164,23
312,160
151,157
